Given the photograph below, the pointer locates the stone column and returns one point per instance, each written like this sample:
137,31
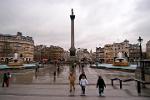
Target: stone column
72,49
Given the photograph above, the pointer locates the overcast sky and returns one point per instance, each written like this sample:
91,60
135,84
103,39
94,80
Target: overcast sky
97,22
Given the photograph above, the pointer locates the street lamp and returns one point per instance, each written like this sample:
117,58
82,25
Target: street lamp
141,56
140,41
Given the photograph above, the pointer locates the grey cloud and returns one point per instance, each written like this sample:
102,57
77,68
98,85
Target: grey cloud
96,22
143,6
140,22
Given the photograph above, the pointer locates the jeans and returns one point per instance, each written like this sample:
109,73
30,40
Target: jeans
83,89
101,90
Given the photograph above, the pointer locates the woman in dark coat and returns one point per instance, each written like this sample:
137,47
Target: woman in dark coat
100,85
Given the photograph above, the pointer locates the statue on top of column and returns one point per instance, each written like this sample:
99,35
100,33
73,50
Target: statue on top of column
72,11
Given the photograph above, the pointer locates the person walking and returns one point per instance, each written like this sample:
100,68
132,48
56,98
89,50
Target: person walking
82,67
54,76
72,79
81,75
83,83
8,80
6,77
100,85
79,64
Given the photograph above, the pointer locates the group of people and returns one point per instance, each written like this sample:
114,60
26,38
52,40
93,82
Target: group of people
6,77
83,83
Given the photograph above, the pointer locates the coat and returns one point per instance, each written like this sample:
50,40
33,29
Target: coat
100,83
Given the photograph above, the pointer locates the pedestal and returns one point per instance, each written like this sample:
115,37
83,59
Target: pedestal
72,63
72,58
72,51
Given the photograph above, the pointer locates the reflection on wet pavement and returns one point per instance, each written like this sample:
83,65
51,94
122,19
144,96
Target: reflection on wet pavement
44,75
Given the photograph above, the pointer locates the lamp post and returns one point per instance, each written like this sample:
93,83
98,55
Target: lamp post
141,56
140,41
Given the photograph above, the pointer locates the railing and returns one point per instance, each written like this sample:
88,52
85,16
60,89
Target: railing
139,82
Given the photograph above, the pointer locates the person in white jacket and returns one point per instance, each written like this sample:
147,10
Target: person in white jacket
83,83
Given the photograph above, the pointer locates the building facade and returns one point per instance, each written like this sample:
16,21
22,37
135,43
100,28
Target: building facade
18,44
122,47
110,51
56,53
134,52
100,54
83,55
38,52
48,54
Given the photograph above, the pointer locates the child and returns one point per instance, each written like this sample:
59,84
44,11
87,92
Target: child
100,85
83,83
82,74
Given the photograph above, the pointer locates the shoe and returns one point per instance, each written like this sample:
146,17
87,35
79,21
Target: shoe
82,95
70,91
102,94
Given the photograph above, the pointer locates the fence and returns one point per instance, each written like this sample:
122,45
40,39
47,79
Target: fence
139,82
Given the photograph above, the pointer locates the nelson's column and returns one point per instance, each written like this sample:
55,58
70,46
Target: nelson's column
72,49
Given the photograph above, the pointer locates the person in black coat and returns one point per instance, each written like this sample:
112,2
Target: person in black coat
100,84
81,75
6,77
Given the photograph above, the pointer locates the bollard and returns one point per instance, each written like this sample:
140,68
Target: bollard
120,84
138,87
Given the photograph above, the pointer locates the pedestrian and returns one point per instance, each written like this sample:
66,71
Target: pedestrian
75,64
79,66
82,66
83,83
58,68
100,85
82,74
6,77
72,79
36,69
54,76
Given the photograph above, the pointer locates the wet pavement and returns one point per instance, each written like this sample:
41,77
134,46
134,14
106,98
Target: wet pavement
40,85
